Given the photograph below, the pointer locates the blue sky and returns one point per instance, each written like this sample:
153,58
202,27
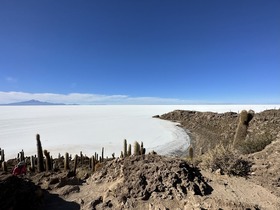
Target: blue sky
148,51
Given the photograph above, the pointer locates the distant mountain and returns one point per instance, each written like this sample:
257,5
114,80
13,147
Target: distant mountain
32,103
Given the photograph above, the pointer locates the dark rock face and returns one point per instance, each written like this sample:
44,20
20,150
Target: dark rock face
153,176
17,193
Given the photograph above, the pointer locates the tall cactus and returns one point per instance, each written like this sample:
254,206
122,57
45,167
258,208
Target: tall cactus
22,155
40,161
242,127
75,163
136,148
102,155
4,166
92,163
66,162
32,162
82,157
2,155
125,148
129,150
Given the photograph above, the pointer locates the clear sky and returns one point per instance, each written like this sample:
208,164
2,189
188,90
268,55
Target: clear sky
144,51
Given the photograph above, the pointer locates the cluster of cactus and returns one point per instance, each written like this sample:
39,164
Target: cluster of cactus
138,149
242,127
46,164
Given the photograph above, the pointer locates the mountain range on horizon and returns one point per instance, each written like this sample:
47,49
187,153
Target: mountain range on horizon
32,103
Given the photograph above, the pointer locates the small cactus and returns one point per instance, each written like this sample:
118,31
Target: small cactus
191,153
48,160
40,161
66,162
142,149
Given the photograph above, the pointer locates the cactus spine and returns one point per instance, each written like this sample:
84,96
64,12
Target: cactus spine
48,160
40,161
66,162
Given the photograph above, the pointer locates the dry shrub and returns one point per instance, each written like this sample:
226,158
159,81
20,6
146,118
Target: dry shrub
255,144
227,160
98,166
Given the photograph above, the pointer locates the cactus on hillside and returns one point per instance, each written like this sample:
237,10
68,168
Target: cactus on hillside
82,158
21,155
129,150
40,161
75,163
125,148
92,163
66,161
4,166
102,155
242,127
2,156
32,162
136,148
191,153
48,160
142,149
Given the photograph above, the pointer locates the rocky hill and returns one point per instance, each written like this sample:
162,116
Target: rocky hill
207,129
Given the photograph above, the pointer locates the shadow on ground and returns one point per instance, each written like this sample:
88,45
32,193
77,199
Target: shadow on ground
54,202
